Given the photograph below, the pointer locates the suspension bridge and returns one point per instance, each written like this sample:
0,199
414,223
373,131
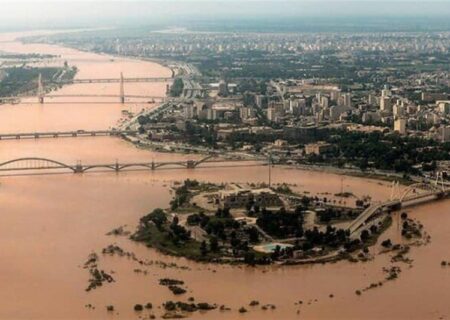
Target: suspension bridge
115,80
43,164
415,194
42,94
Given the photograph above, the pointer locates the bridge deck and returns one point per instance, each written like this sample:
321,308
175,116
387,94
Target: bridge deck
376,208
45,164
55,134
50,96
100,96
114,80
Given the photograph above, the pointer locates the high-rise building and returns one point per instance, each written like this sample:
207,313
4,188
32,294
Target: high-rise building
223,88
385,104
398,111
400,126
386,92
271,113
347,99
259,100
444,133
443,107
334,95
324,102
246,113
293,105
275,111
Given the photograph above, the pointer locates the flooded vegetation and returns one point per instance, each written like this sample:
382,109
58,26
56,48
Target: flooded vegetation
236,223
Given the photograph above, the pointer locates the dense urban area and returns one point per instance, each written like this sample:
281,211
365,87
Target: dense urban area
367,101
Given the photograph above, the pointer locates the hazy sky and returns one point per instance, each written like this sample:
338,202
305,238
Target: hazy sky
59,13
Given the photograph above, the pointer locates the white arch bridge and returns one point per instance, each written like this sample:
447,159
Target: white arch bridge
414,194
44,164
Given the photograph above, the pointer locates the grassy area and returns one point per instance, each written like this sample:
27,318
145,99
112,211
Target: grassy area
160,239
188,209
181,203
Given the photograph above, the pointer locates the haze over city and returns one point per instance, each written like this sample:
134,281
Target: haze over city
29,14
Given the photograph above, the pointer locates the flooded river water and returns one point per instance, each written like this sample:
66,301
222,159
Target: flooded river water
50,223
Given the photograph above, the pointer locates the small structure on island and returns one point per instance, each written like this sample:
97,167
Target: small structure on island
239,197
318,148
272,247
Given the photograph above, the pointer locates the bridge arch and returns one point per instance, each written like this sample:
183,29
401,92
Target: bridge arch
41,163
196,163
136,165
98,166
165,164
427,187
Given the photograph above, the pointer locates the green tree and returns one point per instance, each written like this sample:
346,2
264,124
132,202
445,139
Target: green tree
249,258
177,88
365,235
213,244
305,201
157,216
203,248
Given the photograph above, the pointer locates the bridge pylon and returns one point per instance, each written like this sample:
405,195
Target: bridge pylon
78,167
122,89
395,190
439,183
190,164
40,91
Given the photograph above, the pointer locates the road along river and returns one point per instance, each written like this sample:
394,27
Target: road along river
50,223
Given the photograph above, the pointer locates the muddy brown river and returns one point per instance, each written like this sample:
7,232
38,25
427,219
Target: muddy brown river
50,223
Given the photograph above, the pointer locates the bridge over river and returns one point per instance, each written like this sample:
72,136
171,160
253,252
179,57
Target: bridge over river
414,194
33,164
42,94
58,134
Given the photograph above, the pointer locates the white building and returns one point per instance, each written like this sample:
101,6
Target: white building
190,111
400,126
346,100
385,104
443,106
398,110
246,113
324,102
444,133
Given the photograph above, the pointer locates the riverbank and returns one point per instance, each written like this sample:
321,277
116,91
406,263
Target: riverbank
389,176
